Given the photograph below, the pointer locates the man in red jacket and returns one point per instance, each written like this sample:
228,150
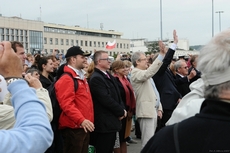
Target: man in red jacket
77,117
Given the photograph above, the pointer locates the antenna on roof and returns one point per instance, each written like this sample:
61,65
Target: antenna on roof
87,22
40,13
101,26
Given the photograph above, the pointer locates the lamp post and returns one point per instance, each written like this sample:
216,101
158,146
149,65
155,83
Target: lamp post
220,18
161,18
212,19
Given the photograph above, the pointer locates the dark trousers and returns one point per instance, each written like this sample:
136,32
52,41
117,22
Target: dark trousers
75,140
103,142
166,116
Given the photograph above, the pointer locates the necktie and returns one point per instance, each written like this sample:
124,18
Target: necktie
107,75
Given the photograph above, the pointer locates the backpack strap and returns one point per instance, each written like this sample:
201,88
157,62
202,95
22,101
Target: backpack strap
74,80
176,140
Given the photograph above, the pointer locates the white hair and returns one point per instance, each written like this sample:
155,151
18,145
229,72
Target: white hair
214,63
215,56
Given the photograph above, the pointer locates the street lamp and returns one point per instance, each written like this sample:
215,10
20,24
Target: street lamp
161,18
212,19
220,18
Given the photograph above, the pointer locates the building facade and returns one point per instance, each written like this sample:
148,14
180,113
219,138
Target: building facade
37,36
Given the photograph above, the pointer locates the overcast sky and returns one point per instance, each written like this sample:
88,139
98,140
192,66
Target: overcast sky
134,18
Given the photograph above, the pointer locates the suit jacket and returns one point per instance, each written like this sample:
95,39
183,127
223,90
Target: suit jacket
165,84
145,95
182,87
108,105
206,132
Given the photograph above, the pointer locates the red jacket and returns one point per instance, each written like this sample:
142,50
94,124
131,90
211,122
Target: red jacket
76,106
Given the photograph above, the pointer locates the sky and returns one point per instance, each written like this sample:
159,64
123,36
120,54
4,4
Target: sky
192,19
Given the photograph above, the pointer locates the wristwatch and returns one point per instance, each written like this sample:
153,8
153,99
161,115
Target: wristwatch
12,80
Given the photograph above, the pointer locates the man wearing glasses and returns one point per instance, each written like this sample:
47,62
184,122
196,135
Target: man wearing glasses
182,77
76,119
108,105
148,106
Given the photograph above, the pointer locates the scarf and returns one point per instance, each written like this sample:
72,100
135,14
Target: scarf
129,93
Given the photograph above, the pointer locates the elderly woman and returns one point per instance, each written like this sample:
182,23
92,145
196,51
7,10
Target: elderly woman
207,131
120,71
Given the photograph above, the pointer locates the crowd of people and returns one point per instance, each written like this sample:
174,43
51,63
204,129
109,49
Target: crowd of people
99,99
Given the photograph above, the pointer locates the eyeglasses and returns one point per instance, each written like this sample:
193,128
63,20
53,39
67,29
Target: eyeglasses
107,59
144,59
186,67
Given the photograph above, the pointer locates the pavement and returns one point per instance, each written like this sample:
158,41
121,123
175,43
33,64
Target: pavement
134,148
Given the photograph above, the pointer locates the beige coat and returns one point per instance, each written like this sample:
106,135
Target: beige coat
145,95
7,119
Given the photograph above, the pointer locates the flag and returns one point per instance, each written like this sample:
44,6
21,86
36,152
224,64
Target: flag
111,45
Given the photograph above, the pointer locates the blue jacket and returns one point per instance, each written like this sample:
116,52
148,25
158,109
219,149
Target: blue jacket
32,132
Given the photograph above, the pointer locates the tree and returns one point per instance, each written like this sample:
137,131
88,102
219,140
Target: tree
153,47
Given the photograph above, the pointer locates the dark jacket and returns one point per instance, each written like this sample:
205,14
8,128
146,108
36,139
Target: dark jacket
198,74
108,105
165,84
183,86
46,82
206,132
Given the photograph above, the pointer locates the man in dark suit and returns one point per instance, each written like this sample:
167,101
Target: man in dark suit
108,105
182,77
164,80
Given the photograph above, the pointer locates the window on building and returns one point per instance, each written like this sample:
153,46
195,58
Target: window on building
86,43
62,41
76,42
51,41
45,40
7,38
72,42
102,44
7,31
67,41
16,32
12,38
120,45
81,42
21,38
1,31
98,44
56,41
17,38
117,45
11,31
90,43
26,32
21,32
2,37
36,40
127,46
94,44
51,51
